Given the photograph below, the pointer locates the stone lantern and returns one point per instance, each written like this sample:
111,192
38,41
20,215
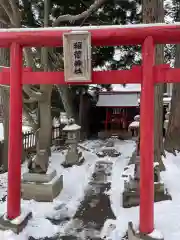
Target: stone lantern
131,192
73,156
135,127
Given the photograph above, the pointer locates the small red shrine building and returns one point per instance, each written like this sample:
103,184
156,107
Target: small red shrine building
118,107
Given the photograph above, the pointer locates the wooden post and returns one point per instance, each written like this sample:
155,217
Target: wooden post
147,139
15,133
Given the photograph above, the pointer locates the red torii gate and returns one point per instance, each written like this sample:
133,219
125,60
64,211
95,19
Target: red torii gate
148,75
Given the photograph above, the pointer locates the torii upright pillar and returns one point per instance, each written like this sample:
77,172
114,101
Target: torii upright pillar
15,146
147,139
15,132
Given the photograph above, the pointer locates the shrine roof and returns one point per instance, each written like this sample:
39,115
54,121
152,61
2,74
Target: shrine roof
118,99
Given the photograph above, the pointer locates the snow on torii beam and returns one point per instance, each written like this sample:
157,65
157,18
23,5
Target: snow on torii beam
101,35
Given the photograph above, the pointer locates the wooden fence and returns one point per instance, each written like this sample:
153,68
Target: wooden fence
29,138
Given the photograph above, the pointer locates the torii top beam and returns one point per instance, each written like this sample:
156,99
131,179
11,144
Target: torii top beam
101,35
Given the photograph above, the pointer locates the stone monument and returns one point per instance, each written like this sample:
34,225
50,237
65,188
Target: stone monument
131,192
41,183
74,155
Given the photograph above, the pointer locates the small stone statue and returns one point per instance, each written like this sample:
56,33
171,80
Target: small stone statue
39,164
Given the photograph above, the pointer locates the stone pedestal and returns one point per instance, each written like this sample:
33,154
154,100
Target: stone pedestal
73,157
41,187
131,193
16,225
131,196
132,235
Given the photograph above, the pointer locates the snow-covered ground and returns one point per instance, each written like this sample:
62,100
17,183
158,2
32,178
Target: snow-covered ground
166,213
75,183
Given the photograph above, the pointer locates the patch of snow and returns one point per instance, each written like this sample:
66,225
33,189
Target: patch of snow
1,132
19,219
167,100
137,118
129,172
156,164
86,28
156,234
117,55
56,122
72,127
126,88
117,183
169,6
26,129
108,228
134,124
63,118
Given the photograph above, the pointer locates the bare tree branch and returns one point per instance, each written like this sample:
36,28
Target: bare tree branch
5,5
27,88
36,95
72,18
15,12
12,11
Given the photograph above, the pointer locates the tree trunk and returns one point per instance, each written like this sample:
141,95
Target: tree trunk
153,12
84,115
45,106
81,107
40,165
45,131
83,121
66,97
172,140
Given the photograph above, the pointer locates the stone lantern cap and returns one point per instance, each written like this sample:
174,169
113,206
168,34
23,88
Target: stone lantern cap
71,126
135,123
137,118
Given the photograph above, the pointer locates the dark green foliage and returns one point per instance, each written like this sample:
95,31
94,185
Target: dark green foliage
113,12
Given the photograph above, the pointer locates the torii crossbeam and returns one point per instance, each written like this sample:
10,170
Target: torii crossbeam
148,75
